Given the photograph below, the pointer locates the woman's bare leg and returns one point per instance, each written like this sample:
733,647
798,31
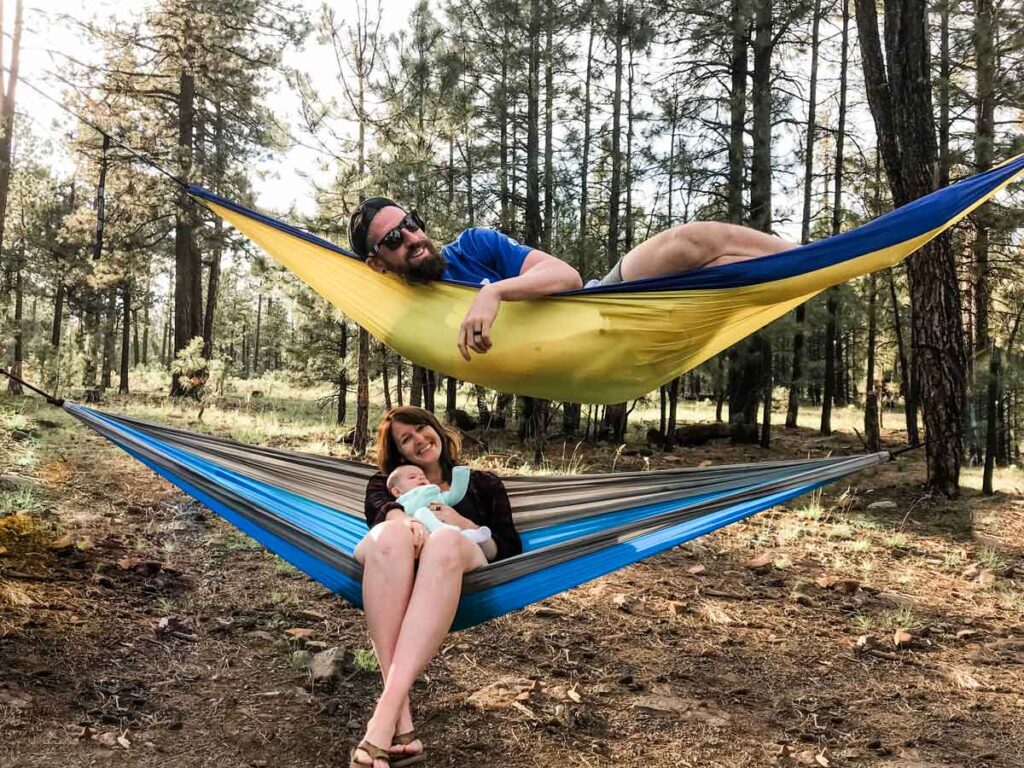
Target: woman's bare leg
697,245
387,557
445,557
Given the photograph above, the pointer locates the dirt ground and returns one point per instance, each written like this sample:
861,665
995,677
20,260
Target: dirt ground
137,629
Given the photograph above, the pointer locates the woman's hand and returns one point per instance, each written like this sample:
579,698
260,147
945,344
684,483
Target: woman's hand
446,514
419,534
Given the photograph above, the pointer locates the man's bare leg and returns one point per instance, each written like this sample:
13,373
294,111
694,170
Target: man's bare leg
697,245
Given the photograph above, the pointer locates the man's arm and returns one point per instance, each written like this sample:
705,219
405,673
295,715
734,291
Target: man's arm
542,274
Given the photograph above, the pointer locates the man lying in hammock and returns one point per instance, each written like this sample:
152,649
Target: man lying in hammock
391,240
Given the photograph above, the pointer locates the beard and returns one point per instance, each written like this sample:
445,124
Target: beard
430,267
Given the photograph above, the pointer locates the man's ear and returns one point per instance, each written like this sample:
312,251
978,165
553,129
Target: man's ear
376,264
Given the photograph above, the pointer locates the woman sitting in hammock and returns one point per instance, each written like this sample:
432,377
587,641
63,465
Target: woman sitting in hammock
412,580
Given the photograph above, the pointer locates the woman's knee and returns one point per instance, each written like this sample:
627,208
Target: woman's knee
445,549
386,541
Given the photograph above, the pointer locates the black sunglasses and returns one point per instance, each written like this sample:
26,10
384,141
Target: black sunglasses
393,237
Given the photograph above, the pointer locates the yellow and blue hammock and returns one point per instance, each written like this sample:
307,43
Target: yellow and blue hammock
308,509
613,343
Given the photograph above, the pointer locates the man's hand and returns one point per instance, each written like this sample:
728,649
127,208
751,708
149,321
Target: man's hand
475,331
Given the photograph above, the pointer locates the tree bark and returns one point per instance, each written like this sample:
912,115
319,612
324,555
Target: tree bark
188,271
13,387
585,163
899,94
991,442
213,284
126,314
7,105
549,122
872,434
257,340
108,338
796,379
737,108
761,116
833,371
362,434
984,137
615,415
58,312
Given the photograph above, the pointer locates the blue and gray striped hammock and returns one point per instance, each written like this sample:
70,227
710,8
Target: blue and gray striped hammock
308,509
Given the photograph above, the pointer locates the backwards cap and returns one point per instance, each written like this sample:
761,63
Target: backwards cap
359,223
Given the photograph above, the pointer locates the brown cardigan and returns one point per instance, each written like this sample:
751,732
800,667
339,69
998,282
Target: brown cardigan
485,503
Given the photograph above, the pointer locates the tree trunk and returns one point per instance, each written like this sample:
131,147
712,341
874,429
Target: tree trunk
796,380
745,384
612,243
833,367
136,344
829,391
188,271
362,434
7,106
906,369
256,341
343,373
673,404
13,387
615,415
585,163
761,114
872,434
108,338
503,143
482,411
549,123
750,365
901,105
766,422
58,312
737,108
944,121
384,377
342,384
991,443
416,386
146,311
451,399
628,209
126,314
212,287
399,368
984,137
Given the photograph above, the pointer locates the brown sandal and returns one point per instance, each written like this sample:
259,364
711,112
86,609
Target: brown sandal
402,759
375,753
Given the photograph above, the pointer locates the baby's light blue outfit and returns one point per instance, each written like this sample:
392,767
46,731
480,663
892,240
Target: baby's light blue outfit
416,501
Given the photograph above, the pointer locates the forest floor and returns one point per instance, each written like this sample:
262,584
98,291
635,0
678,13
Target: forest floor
138,629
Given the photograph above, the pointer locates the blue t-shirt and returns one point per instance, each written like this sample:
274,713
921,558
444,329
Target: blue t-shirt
480,256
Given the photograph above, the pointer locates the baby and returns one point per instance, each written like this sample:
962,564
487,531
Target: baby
414,492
